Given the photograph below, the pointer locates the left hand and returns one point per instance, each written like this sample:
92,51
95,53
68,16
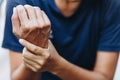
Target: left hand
39,59
32,24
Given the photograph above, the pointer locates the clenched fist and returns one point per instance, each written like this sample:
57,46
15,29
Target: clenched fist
32,24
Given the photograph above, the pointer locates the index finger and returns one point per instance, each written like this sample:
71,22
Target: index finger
15,22
22,14
31,47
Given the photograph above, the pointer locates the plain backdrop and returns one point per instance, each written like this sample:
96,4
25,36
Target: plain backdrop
4,56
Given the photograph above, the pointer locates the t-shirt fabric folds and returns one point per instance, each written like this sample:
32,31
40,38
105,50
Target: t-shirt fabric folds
94,26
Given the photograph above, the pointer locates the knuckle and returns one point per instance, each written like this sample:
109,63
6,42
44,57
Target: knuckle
24,53
38,67
48,22
16,33
46,55
40,62
41,24
37,8
20,8
25,29
47,25
28,7
34,24
13,18
24,61
34,70
35,49
25,24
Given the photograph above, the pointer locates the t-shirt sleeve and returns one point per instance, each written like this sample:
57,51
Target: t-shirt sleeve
10,41
110,33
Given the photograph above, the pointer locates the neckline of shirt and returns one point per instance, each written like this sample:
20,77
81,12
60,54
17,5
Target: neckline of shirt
54,7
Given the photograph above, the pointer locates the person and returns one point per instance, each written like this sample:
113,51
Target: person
84,39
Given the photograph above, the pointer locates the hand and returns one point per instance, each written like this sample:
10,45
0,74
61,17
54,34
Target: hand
39,59
31,24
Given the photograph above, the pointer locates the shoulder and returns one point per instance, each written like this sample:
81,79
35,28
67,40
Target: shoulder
30,2
14,3
22,2
117,2
110,9
110,5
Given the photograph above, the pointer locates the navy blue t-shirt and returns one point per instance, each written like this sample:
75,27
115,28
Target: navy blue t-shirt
95,26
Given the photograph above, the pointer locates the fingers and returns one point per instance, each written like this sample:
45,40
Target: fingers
32,57
32,61
15,22
22,14
46,19
32,65
40,19
29,66
47,23
30,12
33,24
33,48
31,16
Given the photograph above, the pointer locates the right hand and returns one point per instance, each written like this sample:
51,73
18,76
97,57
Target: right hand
39,59
32,24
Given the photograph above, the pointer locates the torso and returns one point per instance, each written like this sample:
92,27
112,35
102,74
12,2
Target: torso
75,36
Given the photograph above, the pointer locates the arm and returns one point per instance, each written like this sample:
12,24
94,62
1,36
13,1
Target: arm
33,25
19,71
103,70
54,63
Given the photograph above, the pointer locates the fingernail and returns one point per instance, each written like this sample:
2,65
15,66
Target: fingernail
21,41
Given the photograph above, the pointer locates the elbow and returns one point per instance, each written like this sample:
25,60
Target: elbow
103,77
13,76
108,77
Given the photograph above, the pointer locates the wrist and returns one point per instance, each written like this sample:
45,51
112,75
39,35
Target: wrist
59,67
25,68
41,43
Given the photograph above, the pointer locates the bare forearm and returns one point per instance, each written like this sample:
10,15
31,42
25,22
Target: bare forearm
72,72
23,73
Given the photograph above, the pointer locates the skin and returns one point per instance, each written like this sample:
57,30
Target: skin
37,58
68,7
52,62
34,28
23,28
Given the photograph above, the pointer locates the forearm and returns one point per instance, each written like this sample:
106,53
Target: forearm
72,72
23,73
